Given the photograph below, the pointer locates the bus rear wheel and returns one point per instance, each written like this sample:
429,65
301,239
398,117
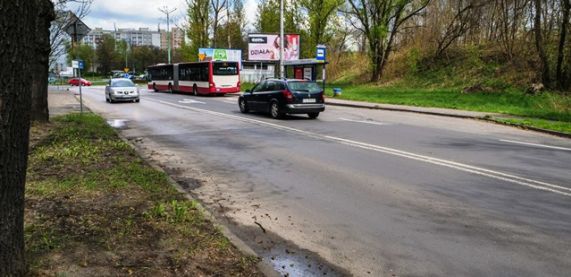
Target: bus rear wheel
194,91
155,87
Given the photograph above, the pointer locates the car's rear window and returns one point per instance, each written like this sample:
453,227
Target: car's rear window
311,87
122,83
225,69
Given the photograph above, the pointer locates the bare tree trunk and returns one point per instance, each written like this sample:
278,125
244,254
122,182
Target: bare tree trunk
39,111
566,6
539,45
17,55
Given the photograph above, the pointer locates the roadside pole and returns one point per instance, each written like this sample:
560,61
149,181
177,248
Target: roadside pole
80,85
282,42
78,64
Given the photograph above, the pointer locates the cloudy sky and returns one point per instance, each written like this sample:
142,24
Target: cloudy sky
143,13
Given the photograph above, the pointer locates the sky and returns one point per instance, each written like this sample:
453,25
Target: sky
144,13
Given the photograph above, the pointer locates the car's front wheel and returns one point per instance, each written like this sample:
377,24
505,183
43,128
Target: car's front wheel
243,105
275,110
313,115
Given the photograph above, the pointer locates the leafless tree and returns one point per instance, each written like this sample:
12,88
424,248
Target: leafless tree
58,36
464,16
217,16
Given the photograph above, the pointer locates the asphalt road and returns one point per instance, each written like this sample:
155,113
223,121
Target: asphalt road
365,192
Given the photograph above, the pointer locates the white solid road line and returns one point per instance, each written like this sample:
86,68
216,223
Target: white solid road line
364,121
536,144
392,151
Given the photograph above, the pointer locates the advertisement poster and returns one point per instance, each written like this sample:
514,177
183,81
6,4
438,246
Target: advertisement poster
215,54
266,47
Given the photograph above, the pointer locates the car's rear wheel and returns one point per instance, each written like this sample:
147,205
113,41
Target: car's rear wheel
313,115
243,105
275,112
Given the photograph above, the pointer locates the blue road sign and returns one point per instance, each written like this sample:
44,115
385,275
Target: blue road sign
80,64
321,53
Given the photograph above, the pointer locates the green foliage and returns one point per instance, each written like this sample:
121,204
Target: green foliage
198,22
82,52
268,20
230,34
143,56
107,57
413,59
319,13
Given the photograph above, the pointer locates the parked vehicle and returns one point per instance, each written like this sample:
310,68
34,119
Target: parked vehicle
75,82
121,89
284,96
204,78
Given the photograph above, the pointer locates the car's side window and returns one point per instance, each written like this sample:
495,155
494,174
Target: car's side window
280,86
270,85
277,85
260,86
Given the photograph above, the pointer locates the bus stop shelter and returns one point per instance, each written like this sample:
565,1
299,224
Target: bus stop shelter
309,69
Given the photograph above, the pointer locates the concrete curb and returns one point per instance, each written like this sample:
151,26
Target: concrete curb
264,267
482,118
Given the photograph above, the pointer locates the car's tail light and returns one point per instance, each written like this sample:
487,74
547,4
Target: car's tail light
288,95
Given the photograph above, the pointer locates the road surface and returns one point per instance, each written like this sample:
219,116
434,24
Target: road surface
365,192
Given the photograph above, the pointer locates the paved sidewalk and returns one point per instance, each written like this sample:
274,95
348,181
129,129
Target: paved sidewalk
62,101
402,108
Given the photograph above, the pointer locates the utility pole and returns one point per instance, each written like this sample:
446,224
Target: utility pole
228,23
166,11
282,42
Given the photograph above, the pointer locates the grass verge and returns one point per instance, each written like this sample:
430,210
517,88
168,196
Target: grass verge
550,111
94,207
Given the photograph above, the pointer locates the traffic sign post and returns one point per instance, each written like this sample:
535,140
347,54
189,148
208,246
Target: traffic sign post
320,56
78,64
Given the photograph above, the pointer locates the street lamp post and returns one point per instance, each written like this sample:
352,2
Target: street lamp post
282,42
166,11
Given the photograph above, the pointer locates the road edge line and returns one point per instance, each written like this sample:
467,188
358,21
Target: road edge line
480,118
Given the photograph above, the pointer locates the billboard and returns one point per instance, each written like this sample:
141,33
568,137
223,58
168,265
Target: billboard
215,54
266,47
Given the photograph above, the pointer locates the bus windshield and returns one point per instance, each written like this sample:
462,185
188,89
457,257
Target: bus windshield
225,69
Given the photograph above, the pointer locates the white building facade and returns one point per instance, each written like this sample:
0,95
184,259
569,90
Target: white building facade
135,37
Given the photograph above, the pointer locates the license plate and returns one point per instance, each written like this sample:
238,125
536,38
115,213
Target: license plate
309,100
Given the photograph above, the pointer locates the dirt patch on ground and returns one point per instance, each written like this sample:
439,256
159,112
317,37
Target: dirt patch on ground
94,208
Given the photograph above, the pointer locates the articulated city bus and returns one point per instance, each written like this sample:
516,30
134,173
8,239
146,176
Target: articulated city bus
212,77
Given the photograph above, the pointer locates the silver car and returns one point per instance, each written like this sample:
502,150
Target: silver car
121,89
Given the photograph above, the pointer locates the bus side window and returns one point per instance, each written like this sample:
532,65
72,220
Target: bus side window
204,73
